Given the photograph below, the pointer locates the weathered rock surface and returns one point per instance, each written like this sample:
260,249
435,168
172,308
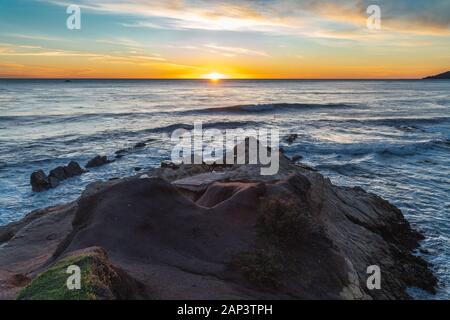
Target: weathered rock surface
204,232
100,280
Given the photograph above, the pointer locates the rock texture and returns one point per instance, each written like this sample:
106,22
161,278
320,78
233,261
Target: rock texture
225,232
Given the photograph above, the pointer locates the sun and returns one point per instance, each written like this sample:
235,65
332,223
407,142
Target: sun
214,76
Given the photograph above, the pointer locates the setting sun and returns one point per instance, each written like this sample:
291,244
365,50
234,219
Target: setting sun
214,76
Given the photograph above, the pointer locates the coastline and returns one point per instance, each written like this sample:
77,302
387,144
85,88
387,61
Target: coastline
202,231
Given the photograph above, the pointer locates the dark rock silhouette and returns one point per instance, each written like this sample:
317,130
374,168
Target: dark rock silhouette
442,76
40,181
73,169
291,138
98,161
121,153
139,145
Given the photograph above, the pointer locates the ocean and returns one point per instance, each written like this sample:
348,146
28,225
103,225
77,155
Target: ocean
389,137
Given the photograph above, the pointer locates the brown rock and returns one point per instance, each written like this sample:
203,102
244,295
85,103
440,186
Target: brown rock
39,181
98,161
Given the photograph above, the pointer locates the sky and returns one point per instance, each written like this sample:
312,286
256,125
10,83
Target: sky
310,39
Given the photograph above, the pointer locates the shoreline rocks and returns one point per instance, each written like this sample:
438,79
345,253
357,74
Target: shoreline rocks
293,235
41,182
98,161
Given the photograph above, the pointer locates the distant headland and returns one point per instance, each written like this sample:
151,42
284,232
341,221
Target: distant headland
445,75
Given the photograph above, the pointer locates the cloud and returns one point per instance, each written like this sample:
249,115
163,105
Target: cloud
236,50
35,37
312,18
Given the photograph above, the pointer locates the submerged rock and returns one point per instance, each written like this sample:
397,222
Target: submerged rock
169,164
120,153
39,181
58,173
73,169
139,145
98,161
291,138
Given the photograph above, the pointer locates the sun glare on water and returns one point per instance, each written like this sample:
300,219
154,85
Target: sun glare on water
214,76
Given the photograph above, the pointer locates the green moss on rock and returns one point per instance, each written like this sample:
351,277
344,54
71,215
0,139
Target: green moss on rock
281,227
282,222
99,280
261,267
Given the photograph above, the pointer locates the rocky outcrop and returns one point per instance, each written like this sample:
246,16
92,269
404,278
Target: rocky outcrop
98,161
224,232
40,181
100,280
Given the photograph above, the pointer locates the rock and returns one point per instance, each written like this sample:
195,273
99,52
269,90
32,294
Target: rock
26,245
293,235
53,182
279,237
58,174
98,161
120,153
169,164
101,280
296,158
291,138
39,181
306,167
73,169
137,169
139,145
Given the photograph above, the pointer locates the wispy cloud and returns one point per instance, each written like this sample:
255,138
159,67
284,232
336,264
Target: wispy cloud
294,17
39,37
236,50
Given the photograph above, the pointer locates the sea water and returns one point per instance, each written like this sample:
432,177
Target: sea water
389,137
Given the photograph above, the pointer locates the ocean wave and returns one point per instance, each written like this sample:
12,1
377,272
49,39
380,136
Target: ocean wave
48,119
405,122
348,169
413,148
122,134
272,107
358,150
